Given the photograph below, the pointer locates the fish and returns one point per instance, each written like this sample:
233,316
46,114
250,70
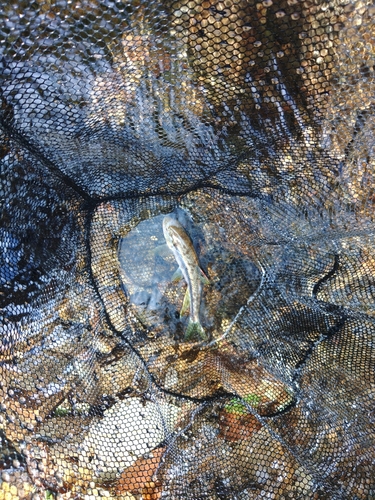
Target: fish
179,242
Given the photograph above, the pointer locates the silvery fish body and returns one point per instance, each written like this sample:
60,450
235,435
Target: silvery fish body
183,250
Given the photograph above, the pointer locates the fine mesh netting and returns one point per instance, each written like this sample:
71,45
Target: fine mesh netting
228,140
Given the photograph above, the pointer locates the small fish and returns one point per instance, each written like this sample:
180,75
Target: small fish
183,250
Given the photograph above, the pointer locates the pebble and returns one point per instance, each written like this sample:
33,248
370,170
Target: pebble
5,477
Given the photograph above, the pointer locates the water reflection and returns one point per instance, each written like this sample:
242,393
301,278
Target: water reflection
147,274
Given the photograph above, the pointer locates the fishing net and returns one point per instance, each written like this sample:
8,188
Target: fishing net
250,125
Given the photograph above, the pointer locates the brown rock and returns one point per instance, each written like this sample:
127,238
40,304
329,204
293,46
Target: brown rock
234,427
138,478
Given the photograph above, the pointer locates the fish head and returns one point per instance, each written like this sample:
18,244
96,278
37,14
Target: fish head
171,227
168,221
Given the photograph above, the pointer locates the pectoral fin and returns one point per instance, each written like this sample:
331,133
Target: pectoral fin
186,303
177,275
203,277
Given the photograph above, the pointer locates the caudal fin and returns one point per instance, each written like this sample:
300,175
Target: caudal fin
195,330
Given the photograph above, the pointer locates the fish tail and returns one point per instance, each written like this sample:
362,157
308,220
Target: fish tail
195,329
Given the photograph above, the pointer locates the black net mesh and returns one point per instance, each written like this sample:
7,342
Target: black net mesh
231,139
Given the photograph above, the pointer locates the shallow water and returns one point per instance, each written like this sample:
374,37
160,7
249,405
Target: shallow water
148,267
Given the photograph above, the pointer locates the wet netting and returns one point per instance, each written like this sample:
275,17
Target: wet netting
187,273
